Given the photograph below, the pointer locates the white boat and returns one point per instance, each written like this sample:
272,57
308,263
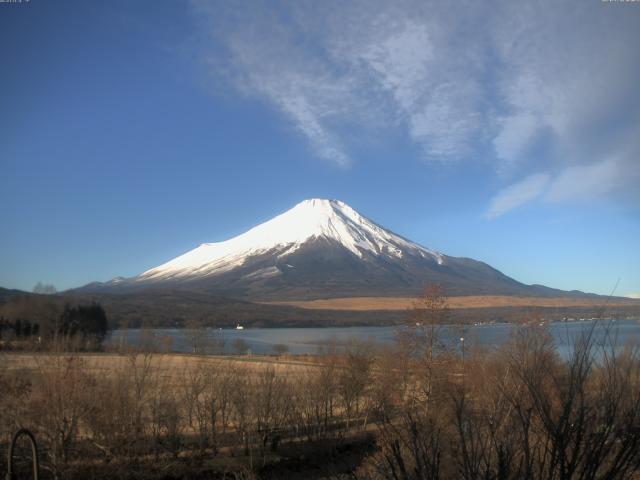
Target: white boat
239,327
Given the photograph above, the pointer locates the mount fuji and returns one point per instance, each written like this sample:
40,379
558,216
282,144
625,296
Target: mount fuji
320,249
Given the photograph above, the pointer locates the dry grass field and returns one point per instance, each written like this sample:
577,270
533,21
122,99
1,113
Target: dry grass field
484,301
167,365
364,413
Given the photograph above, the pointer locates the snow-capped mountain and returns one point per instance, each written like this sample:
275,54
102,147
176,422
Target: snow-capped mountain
319,249
308,221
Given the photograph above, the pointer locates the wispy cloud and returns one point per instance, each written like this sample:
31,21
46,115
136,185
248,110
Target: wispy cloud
575,183
586,181
542,86
375,67
518,194
434,95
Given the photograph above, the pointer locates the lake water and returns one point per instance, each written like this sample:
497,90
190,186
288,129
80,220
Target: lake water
310,340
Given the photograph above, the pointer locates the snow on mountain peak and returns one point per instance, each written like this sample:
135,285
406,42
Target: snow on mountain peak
310,219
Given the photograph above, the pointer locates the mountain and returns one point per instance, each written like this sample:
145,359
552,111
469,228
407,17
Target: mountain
321,249
6,294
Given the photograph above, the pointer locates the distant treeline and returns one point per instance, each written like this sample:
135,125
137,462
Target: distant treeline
19,328
179,309
40,318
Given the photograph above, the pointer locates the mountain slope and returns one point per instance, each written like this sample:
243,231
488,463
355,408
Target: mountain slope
6,294
309,221
321,249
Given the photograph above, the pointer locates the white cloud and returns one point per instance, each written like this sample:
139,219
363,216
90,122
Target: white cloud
400,59
545,86
586,181
633,295
372,66
264,60
515,136
571,184
567,69
435,95
518,194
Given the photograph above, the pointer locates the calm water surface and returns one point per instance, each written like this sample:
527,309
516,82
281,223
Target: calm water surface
310,340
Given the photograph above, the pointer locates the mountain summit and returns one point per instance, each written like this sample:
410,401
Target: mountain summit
321,249
309,221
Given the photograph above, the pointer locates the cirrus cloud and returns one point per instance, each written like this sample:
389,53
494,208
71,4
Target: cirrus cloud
518,194
542,86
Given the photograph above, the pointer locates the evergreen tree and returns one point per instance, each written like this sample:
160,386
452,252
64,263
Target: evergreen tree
17,328
85,320
26,328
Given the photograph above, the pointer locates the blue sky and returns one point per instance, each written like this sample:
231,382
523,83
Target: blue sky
509,132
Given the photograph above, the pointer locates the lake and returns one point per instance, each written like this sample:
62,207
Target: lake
310,340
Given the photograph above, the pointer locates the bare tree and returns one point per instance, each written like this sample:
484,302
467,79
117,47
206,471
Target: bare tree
196,336
422,337
354,378
240,346
59,385
240,402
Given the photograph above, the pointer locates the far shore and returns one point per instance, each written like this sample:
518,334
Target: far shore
461,302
